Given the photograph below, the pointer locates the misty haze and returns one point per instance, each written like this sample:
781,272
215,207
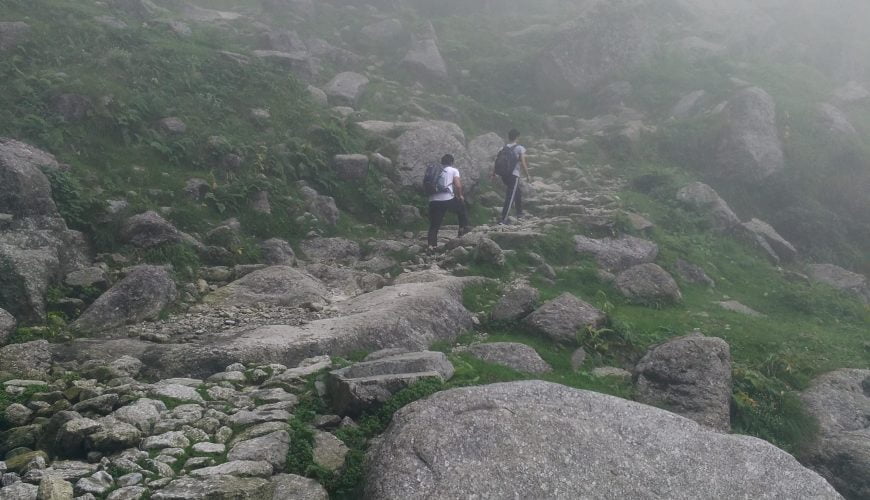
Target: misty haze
441,249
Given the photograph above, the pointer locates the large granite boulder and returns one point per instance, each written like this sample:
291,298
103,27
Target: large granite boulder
483,150
516,303
840,402
424,61
422,146
700,196
540,440
841,279
142,295
750,150
648,284
346,88
276,286
608,41
562,318
25,192
690,376
617,254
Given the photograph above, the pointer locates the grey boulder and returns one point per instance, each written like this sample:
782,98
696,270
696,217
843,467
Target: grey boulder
346,88
562,318
617,254
702,197
7,325
277,252
12,34
516,303
351,167
840,402
331,250
767,239
750,150
841,279
648,284
384,33
271,448
277,286
30,360
540,440
142,295
149,229
691,376
298,488
424,145
515,356
425,62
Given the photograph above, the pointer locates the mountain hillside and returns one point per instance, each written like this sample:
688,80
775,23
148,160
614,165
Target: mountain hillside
215,280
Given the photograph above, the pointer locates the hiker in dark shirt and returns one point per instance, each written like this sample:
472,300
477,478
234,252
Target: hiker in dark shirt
515,155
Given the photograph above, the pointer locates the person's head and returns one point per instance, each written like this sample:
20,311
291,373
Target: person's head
447,160
513,135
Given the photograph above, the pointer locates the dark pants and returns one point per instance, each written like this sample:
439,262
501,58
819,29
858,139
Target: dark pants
512,183
437,210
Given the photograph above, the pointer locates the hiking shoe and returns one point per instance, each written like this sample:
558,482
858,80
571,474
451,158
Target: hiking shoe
464,230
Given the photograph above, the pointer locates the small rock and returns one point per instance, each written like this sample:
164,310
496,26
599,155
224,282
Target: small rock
329,451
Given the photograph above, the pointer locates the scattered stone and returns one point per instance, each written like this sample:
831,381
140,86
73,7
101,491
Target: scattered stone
611,371
149,229
693,274
765,236
128,493
424,61
18,490
515,356
562,318
238,468
329,451
516,304
114,436
216,487
176,392
346,88
7,325
648,284
691,376
277,252
54,488
210,449
289,486
172,126
245,417
142,414
351,167
578,358
12,34
174,439
29,359
387,33
364,385
331,250
701,196
17,415
97,484
271,448
737,307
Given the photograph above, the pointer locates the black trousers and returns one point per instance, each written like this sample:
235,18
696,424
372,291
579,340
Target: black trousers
512,182
437,210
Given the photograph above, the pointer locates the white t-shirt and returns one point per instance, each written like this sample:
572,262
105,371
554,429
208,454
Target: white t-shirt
449,174
520,152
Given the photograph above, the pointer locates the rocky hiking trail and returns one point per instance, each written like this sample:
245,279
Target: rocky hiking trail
350,366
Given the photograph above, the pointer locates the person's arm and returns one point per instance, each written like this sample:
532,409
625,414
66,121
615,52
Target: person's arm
525,167
457,186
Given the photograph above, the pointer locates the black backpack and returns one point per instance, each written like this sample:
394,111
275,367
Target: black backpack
432,180
506,161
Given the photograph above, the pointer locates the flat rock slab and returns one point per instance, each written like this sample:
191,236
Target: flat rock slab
515,356
617,254
218,487
562,318
412,315
540,440
277,286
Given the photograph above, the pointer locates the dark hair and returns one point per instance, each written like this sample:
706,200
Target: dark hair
513,135
447,160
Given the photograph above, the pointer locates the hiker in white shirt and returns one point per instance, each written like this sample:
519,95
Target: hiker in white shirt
452,200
